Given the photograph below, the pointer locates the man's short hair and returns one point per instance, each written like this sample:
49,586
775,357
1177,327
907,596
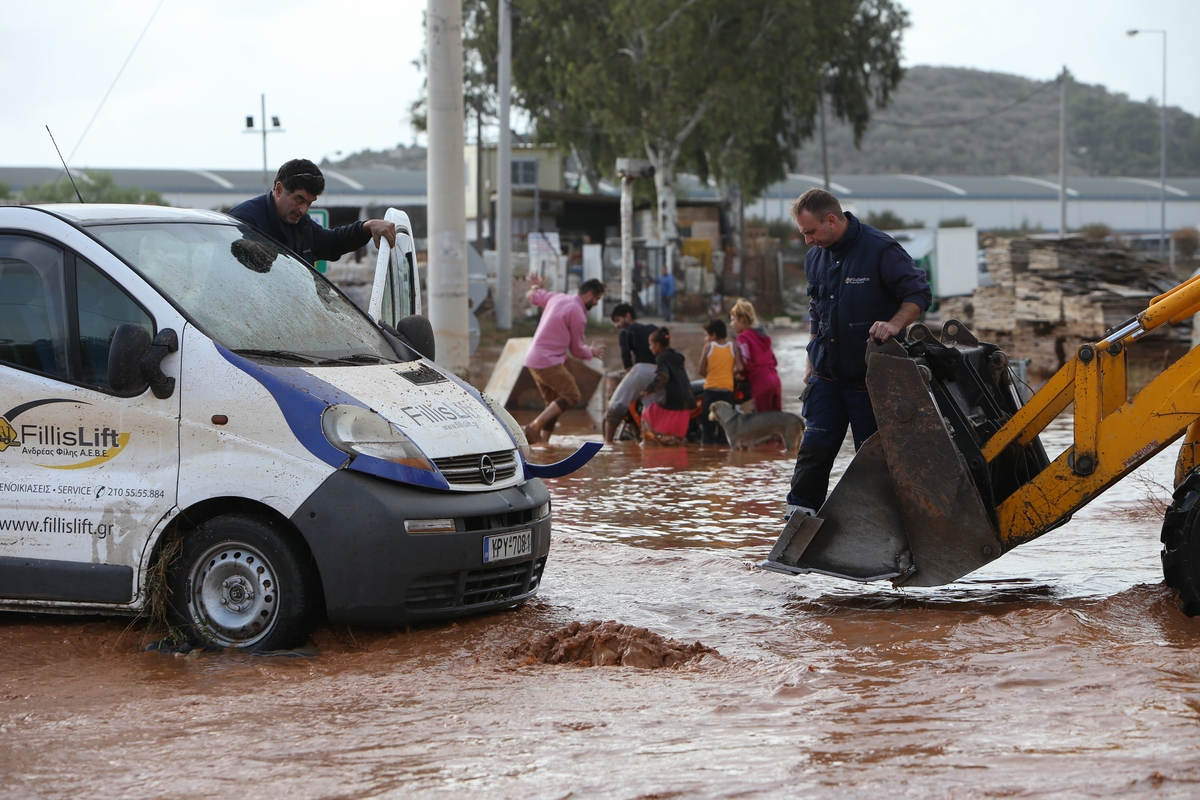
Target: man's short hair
621,309
300,173
817,202
594,286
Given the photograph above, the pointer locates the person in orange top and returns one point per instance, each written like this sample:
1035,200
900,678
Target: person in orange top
721,364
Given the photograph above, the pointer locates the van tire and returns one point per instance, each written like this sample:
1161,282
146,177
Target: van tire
243,582
1181,544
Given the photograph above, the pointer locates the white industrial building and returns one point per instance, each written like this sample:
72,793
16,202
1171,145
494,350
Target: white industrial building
1126,205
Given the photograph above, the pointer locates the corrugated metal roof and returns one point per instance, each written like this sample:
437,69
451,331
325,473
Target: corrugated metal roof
375,182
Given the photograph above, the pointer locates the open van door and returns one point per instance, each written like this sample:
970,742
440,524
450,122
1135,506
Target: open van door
396,292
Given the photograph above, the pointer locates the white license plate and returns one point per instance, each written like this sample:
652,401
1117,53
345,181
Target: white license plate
510,545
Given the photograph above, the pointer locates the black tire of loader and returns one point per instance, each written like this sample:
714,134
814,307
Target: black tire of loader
1181,544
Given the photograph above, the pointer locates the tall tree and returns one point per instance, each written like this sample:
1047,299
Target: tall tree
727,89
617,76
730,90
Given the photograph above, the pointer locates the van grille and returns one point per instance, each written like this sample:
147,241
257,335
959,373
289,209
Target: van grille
474,588
467,470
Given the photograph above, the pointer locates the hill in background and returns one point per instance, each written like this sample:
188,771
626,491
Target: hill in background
1107,133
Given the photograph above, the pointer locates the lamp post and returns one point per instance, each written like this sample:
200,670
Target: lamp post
264,131
1162,233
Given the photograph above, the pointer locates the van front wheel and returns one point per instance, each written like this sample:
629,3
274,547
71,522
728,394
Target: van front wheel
241,582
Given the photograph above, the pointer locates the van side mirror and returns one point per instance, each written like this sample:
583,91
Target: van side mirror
416,331
129,343
135,362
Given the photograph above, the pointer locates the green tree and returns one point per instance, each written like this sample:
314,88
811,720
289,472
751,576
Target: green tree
888,220
4,191
726,89
95,186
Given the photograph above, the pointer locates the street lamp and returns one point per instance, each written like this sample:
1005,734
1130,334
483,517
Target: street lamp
1162,234
275,128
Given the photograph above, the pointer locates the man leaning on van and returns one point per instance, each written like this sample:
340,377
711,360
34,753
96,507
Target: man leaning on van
282,214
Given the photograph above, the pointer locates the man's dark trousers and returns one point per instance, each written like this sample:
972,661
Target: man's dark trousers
829,408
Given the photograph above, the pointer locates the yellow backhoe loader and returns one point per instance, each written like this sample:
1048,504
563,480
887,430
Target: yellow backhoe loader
956,476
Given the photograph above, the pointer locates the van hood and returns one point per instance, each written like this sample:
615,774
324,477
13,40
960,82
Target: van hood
440,414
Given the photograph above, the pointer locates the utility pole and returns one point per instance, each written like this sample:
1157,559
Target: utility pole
1162,166
1062,153
1162,163
264,131
447,244
503,232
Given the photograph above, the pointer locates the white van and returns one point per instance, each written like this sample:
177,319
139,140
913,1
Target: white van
175,386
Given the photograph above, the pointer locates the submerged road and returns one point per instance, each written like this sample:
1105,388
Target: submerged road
1062,670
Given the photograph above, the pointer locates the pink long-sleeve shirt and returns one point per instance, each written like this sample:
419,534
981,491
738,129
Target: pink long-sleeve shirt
560,330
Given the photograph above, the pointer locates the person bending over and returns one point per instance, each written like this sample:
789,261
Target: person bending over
559,333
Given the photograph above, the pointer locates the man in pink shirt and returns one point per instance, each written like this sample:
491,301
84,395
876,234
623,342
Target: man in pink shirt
560,332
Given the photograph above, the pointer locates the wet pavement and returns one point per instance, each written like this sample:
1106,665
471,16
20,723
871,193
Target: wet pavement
1063,669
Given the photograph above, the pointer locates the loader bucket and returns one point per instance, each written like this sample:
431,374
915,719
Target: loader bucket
909,507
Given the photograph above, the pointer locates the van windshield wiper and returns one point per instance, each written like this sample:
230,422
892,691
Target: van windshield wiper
285,355
360,358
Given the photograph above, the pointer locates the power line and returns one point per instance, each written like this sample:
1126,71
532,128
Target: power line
971,120
114,81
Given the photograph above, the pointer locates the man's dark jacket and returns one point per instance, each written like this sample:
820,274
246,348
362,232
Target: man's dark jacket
860,280
306,238
635,344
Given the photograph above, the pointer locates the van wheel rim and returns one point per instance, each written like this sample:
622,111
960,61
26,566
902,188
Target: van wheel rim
234,598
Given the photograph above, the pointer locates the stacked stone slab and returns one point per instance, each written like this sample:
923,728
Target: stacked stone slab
1049,297
1072,287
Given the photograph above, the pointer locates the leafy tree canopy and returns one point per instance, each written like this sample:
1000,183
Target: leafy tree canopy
95,186
724,89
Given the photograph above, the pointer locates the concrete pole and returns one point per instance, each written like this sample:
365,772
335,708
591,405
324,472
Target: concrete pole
627,239
1162,167
503,232
1062,153
447,204
1162,189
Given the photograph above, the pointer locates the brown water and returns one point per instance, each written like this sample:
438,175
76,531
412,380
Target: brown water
1062,670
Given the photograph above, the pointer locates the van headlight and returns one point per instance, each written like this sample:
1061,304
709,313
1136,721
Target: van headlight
514,428
361,431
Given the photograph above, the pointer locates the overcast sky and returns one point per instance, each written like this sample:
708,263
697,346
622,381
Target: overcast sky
339,74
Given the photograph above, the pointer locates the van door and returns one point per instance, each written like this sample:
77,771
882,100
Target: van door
85,474
396,292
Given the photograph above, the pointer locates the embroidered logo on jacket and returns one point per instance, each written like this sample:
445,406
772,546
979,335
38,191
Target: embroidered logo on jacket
857,281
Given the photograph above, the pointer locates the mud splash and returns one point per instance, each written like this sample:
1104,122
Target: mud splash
605,644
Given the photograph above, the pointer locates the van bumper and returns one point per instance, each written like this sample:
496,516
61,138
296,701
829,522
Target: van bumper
376,573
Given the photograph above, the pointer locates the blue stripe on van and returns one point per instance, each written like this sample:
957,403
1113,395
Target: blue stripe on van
303,398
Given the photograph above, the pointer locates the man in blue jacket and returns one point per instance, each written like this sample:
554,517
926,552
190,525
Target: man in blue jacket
861,284
282,214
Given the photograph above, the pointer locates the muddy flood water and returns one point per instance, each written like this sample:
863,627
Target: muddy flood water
1064,669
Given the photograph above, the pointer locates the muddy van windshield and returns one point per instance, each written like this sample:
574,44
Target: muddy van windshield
247,293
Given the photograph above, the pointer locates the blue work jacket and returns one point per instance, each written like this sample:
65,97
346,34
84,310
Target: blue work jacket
858,281
306,238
